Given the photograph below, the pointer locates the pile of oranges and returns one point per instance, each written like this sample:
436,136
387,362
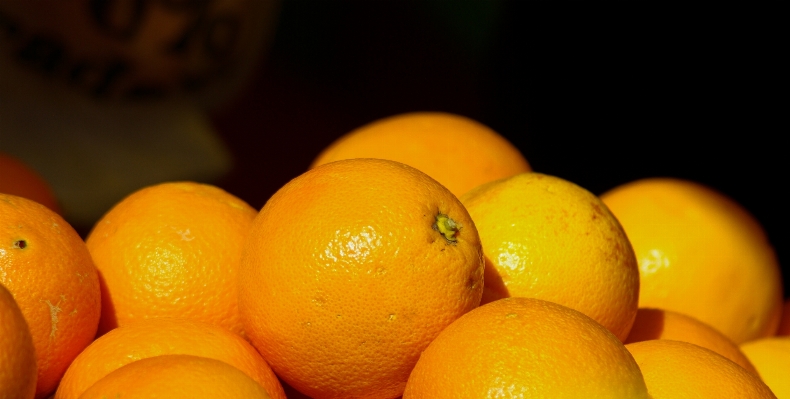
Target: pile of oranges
418,257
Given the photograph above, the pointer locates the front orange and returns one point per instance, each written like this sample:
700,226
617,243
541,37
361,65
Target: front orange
176,377
665,324
525,348
350,270
17,356
46,266
682,370
164,336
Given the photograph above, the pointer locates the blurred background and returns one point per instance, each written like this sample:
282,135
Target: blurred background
597,94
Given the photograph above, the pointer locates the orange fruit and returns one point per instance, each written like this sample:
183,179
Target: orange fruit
350,270
164,336
547,238
700,254
176,377
771,358
666,324
679,370
17,356
18,178
525,348
47,267
784,323
171,249
457,151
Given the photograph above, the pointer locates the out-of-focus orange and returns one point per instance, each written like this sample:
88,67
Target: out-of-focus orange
164,336
525,348
18,178
457,151
545,237
171,250
680,370
666,324
701,254
47,267
17,357
176,377
350,270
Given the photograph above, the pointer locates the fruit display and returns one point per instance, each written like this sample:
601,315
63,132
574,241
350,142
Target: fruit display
386,210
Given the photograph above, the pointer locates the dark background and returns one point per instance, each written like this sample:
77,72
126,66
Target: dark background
599,95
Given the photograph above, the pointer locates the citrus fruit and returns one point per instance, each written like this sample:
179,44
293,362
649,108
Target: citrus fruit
46,266
17,178
771,358
666,324
784,323
525,348
17,357
164,336
457,151
701,254
546,237
176,377
171,249
679,370
350,270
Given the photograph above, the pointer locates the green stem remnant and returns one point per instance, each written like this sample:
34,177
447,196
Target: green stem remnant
448,227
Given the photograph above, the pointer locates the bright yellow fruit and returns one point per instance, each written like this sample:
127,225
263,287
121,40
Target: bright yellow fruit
545,237
771,357
701,254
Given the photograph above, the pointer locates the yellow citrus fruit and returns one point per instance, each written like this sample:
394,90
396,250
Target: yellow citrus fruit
17,356
771,357
666,324
680,370
18,178
176,377
700,254
171,249
457,151
47,267
525,348
164,336
350,270
545,237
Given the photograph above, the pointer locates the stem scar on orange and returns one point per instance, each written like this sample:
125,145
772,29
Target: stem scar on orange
349,272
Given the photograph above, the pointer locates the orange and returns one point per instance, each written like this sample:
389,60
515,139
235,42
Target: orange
457,151
701,254
350,270
18,178
525,348
17,356
679,370
545,237
47,267
771,357
784,323
171,249
666,324
164,336
176,377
